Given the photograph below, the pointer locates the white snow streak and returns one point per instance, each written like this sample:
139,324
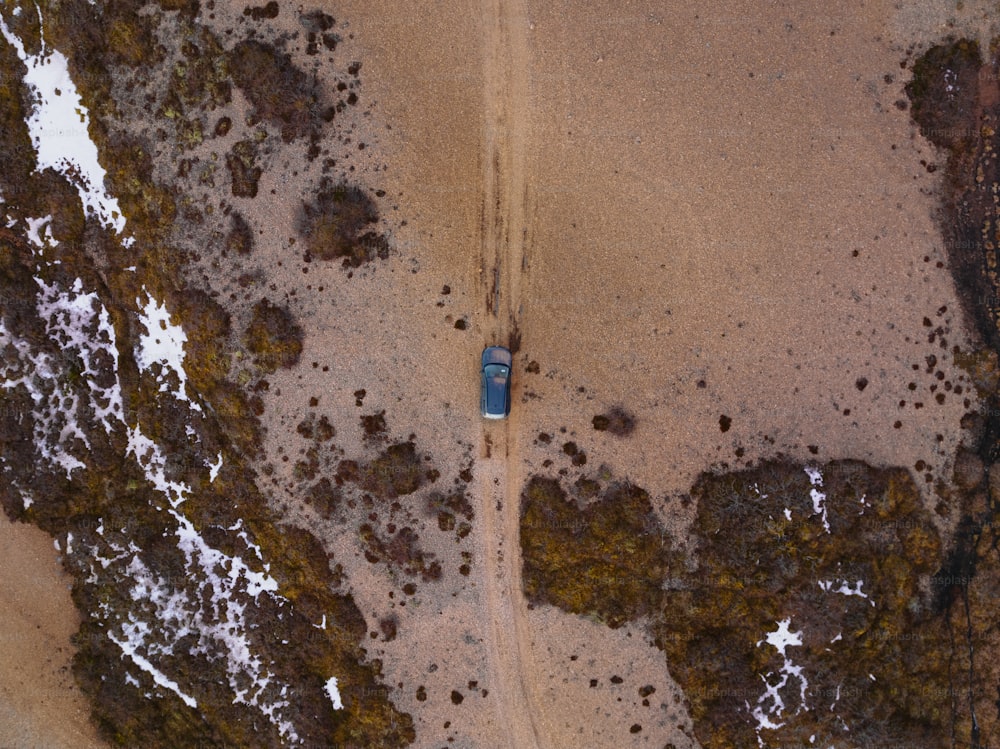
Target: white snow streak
59,129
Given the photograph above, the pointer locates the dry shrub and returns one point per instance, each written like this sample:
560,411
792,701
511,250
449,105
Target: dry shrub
273,337
337,224
276,88
617,421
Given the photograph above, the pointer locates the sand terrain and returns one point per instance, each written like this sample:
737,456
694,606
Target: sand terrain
40,704
690,212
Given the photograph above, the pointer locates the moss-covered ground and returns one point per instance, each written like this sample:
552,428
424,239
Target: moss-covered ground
762,552
108,517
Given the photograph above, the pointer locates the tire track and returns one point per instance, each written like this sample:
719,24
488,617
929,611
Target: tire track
504,257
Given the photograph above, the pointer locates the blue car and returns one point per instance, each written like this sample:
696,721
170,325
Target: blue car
495,397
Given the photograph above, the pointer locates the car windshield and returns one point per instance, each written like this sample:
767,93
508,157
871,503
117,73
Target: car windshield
496,372
496,355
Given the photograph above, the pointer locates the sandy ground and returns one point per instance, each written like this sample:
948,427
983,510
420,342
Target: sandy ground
40,705
738,216
692,212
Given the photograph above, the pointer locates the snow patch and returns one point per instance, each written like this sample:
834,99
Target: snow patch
75,320
770,706
152,460
162,344
334,693
79,325
59,129
55,405
34,226
844,589
782,637
150,669
213,468
206,607
818,497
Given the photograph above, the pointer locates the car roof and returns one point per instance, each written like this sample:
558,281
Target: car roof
497,355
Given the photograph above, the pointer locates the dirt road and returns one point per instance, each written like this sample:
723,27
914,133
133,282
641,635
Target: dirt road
510,646
504,245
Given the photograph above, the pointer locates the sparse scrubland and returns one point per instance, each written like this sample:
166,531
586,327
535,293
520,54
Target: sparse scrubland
820,603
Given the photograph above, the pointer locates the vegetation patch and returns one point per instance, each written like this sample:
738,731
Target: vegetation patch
144,473
270,10
841,556
338,224
617,421
239,239
325,497
449,508
16,149
944,92
844,554
400,550
379,497
319,31
200,78
319,429
955,103
374,426
276,88
273,337
604,559
243,170
396,471
149,206
388,496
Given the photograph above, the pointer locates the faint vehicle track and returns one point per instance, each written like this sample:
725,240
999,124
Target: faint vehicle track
504,240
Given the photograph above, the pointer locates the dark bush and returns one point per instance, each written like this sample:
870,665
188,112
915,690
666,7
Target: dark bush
276,88
944,91
273,337
242,164
617,421
240,237
396,471
336,225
